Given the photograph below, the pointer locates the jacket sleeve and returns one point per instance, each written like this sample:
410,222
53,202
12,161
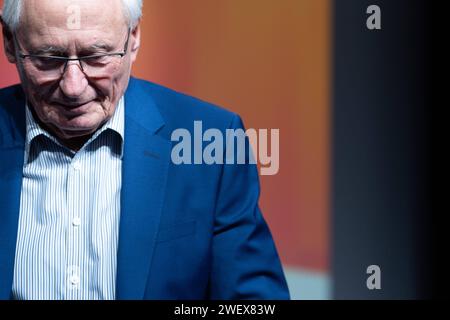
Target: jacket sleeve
245,262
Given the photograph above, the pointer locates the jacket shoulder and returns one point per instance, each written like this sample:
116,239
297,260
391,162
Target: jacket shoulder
12,113
9,97
180,110
10,94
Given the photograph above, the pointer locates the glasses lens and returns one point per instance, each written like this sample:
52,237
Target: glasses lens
46,63
94,66
101,65
47,66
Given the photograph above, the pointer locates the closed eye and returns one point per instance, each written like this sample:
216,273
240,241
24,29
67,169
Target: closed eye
99,59
47,62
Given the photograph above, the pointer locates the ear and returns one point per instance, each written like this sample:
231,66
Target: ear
135,40
8,41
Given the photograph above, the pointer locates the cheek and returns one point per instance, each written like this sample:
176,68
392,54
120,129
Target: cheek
33,80
120,83
44,113
45,110
35,89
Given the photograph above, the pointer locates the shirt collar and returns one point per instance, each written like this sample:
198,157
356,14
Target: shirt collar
116,124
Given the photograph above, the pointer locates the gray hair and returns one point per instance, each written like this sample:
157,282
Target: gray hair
12,10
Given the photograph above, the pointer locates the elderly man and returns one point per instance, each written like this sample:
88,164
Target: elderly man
92,206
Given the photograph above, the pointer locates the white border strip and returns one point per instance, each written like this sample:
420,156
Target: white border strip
308,285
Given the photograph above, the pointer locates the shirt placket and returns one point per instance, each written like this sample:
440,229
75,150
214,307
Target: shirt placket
75,205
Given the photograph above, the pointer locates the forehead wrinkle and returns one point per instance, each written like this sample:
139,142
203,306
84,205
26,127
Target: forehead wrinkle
49,49
99,29
100,46
93,14
65,43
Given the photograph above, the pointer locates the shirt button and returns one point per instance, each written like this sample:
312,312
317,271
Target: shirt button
76,166
74,279
76,222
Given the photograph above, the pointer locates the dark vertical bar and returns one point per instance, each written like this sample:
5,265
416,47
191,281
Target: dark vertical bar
381,205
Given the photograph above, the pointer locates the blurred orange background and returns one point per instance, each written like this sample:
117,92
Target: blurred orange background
269,61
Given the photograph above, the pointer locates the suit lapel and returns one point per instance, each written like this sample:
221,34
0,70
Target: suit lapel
145,165
11,166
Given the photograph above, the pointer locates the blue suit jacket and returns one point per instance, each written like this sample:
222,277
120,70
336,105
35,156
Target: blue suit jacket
186,232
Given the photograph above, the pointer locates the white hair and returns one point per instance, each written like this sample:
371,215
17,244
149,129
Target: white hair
12,10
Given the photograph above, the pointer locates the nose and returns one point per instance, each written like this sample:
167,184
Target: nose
73,82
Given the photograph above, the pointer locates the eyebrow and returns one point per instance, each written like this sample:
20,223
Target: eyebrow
100,46
49,49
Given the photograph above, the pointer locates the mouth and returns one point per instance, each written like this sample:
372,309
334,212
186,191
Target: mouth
75,109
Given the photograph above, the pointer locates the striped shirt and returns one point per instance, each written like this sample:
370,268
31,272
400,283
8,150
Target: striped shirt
69,215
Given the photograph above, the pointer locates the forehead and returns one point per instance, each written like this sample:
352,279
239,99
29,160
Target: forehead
64,18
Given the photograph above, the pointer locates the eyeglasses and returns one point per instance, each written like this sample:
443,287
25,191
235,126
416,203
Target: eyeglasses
96,65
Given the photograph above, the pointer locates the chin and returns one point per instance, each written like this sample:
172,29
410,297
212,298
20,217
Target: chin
82,123
68,131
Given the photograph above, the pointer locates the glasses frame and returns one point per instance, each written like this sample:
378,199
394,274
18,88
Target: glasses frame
79,59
